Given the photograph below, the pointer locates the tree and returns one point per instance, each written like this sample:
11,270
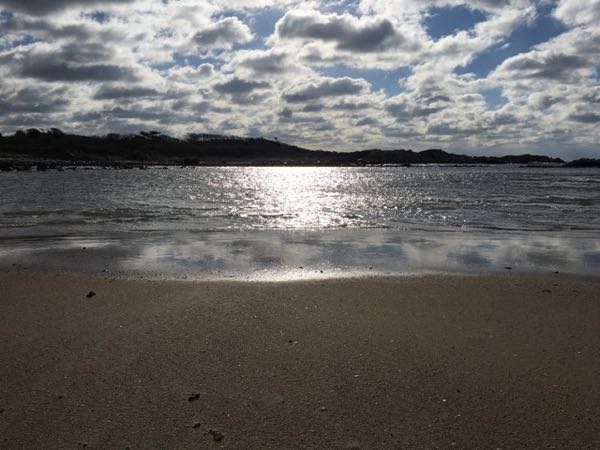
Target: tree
34,133
55,132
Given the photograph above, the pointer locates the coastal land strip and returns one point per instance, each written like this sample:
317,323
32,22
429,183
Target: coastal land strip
53,149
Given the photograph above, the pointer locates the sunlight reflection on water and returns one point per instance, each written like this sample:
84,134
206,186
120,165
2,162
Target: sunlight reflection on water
250,198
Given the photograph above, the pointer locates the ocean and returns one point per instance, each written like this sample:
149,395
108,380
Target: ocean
290,221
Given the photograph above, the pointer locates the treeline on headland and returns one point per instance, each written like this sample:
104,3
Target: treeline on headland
52,148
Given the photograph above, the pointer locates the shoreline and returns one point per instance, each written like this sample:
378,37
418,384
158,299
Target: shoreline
416,361
281,255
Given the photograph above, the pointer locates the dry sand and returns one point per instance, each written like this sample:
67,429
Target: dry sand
435,362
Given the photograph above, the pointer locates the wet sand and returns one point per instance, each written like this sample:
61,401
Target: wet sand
434,361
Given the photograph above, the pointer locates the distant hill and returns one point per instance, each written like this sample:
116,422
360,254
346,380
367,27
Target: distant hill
53,147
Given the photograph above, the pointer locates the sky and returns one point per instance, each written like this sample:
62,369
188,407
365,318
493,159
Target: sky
478,77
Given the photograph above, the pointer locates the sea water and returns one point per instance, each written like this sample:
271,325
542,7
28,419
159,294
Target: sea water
214,221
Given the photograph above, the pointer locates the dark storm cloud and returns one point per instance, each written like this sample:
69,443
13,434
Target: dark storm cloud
326,88
49,70
223,34
237,86
348,106
450,130
33,101
592,97
553,66
313,108
402,111
585,118
119,92
286,113
41,7
504,119
72,63
241,91
270,63
547,101
42,27
429,98
149,114
366,122
348,34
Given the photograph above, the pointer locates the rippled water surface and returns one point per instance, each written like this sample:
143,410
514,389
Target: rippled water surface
289,223
231,198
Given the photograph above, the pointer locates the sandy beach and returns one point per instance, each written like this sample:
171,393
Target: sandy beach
406,362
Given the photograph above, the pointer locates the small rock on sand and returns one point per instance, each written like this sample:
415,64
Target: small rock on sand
90,294
193,397
216,435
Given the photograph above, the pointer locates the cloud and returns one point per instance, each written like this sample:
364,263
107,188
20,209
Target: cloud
223,34
260,62
585,117
32,100
345,31
242,91
416,105
48,68
328,87
237,86
42,7
578,13
124,92
556,66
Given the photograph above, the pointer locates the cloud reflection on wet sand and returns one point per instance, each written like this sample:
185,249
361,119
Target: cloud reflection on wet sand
302,254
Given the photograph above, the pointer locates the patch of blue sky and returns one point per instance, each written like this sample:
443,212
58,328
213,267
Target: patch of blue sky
341,7
493,98
25,40
5,15
99,16
389,81
522,39
447,20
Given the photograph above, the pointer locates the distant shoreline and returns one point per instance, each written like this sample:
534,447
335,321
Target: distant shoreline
53,149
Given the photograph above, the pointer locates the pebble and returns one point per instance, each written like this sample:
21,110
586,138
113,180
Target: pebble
217,435
508,268
90,294
193,397
196,425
